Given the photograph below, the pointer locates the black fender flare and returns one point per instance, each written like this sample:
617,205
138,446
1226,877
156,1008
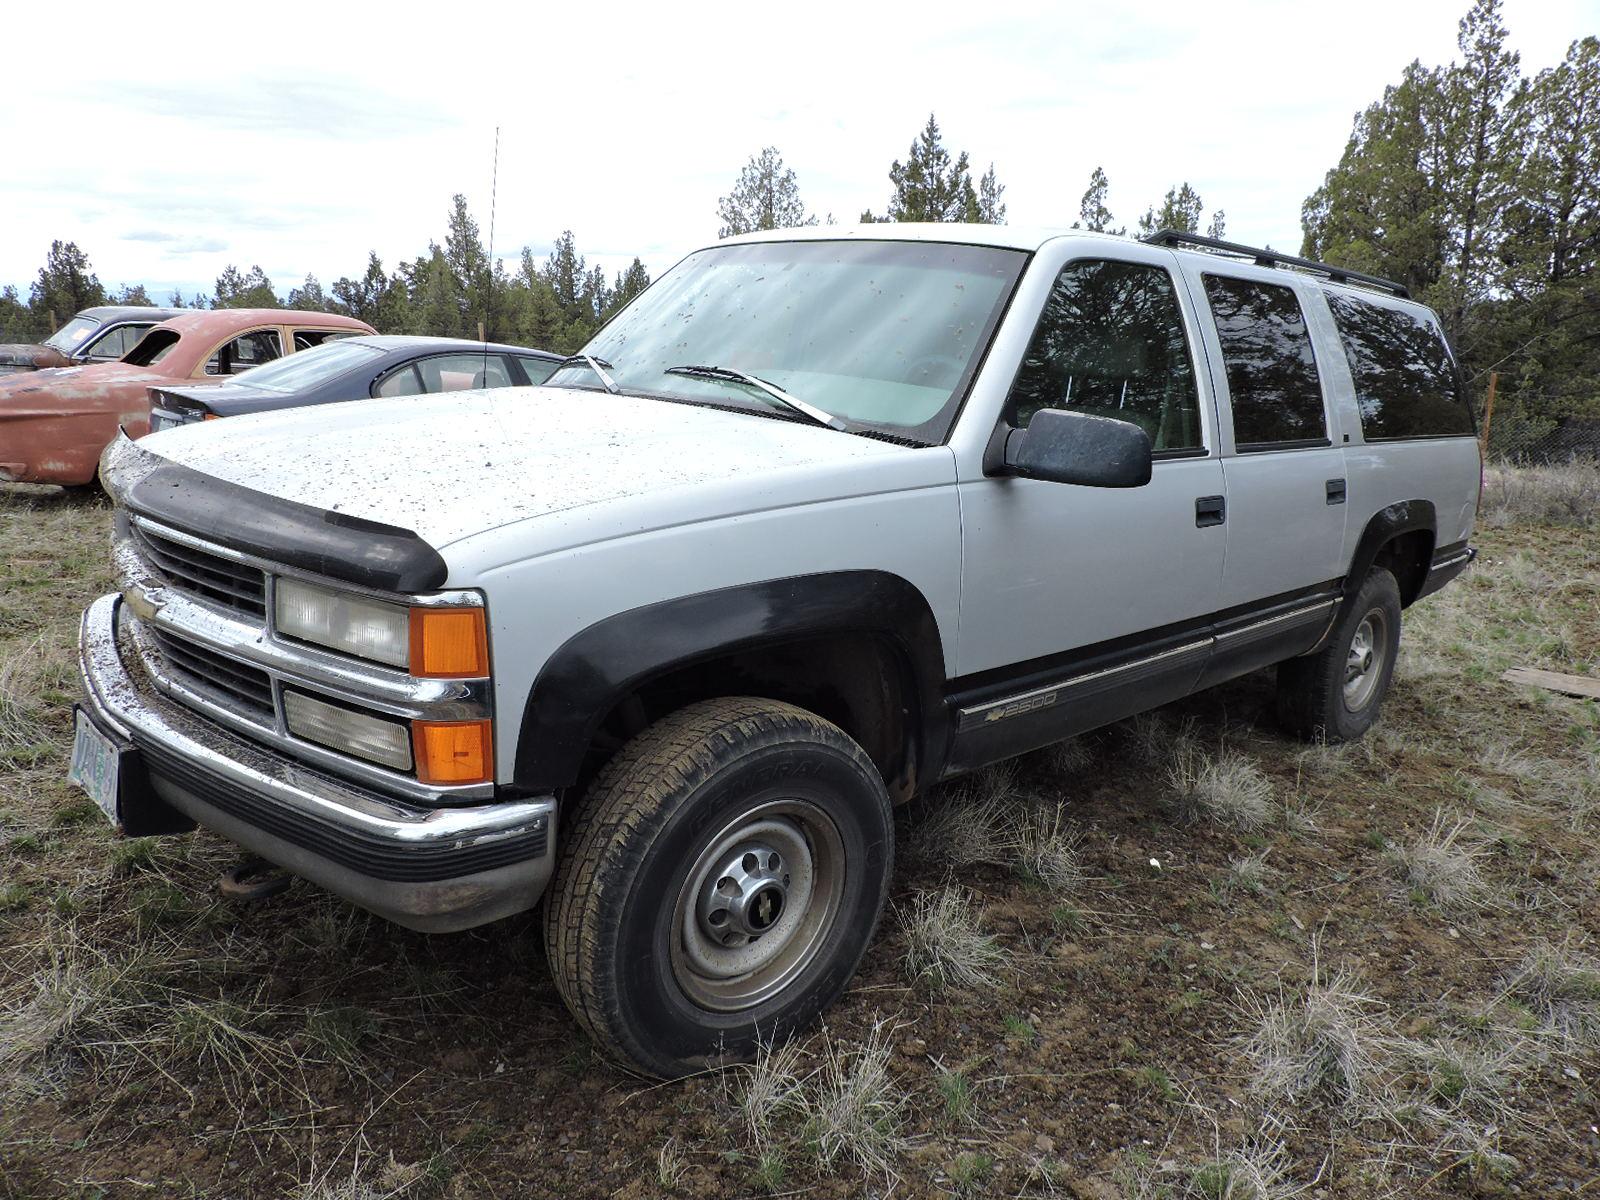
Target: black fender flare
1404,516
600,665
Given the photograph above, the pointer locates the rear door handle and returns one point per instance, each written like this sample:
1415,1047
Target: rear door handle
1210,510
1335,491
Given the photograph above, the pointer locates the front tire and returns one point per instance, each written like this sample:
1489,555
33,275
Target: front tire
719,885
1334,695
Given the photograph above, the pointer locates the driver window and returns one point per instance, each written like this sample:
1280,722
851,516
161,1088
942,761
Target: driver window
245,351
1111,344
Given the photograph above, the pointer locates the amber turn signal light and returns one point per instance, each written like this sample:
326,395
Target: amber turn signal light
452,751
450,643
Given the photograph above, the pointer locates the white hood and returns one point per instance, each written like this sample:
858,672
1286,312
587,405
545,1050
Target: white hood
454,465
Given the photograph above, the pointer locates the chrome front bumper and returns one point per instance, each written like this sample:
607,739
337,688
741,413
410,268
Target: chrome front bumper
434,869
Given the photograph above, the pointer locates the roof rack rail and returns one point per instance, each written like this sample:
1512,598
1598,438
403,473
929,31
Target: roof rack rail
1271,258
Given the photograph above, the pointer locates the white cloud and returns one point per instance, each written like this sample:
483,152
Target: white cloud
191,139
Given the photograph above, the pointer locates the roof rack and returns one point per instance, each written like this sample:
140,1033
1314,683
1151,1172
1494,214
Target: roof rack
1176,238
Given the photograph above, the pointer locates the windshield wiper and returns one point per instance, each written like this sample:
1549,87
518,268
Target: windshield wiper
597,365
793,403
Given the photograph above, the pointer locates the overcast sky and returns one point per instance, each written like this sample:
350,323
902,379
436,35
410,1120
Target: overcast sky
169,142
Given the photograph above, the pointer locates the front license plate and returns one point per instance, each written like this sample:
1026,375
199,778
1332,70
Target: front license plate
94,766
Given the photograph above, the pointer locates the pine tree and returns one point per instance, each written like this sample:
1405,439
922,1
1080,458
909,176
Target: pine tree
437,309
362,298
1093,214
932,186
991,209
16,322
629,284
252,289
1180,209
765,196
134,296
66,284
309,296
565,271
469,264
1482,163
1218,228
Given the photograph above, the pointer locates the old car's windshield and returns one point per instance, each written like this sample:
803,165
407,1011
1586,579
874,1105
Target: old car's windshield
310,367
883,334
70,336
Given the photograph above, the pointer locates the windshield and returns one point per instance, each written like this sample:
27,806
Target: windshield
883,334
70,336
308,368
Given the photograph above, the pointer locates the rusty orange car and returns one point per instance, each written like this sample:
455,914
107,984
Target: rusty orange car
54,423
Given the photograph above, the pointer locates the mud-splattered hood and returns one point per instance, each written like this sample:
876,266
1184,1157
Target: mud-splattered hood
453,466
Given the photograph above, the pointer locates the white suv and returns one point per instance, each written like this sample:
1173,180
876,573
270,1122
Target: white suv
822,518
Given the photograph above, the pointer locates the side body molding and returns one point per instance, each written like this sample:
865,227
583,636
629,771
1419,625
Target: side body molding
596,668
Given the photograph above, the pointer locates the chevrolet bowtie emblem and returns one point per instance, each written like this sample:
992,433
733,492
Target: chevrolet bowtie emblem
145,604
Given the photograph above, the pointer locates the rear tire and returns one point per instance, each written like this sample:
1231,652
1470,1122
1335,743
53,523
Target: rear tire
719,884
1334,695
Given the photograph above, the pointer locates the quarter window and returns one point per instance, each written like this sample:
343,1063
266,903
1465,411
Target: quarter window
403,382
1272,372
1406,381
1110,343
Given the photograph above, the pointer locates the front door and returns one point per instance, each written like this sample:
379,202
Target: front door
1082,605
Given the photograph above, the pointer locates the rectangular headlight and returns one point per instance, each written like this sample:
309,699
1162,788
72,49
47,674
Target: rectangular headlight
343,621
387,743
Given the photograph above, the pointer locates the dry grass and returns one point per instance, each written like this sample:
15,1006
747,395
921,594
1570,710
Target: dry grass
1441,867
1226,789
1561,986
1321,1042
969,823
1565,495
1046,848
856,1107
945,943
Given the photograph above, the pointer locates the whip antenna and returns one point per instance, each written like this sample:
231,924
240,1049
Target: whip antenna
488,297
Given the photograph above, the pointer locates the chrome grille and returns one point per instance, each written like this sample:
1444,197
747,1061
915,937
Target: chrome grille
234,683
220,580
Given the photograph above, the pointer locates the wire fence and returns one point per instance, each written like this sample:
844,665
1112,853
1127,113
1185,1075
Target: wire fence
1543,441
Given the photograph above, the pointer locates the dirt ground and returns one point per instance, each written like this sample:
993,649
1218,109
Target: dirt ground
1204,961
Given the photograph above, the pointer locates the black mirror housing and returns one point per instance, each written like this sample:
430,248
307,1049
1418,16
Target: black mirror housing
1060,446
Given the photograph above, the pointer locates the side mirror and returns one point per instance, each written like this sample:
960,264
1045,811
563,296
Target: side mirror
1071,447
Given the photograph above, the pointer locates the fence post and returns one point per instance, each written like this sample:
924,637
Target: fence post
1488,414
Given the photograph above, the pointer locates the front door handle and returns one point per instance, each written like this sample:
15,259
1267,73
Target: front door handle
1335,491
1210,510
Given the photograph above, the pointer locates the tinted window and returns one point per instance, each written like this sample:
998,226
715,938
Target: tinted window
538,369
456,372
1406,382
245,351
1272,372
1111,343
403,382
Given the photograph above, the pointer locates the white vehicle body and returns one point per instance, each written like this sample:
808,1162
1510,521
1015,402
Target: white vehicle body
619,542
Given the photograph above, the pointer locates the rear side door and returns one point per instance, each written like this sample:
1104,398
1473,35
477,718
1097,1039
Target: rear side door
1282,458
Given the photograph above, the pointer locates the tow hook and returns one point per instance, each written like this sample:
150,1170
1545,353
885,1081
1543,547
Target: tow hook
253,879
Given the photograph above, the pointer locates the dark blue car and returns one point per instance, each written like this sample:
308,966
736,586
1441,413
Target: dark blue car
355,368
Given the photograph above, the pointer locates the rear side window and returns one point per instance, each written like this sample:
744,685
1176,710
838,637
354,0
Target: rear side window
1406,381
245,351
1273,385
1110,343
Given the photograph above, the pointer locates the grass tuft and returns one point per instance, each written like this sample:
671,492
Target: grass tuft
858,1108
945,942
1318,1043
1440,867
1561,987
1047,849
1226,789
